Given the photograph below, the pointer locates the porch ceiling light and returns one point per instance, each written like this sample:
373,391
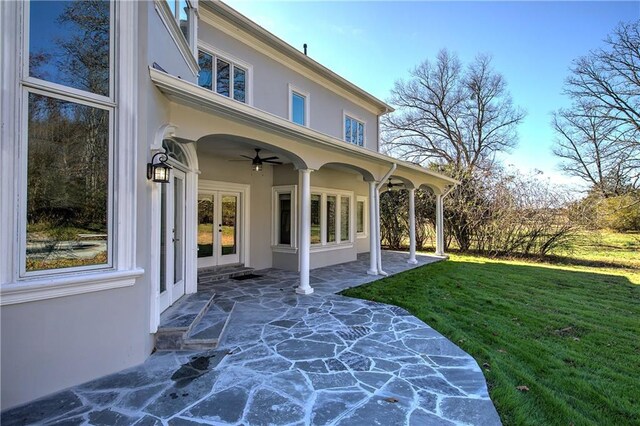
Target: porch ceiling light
159,171
256,166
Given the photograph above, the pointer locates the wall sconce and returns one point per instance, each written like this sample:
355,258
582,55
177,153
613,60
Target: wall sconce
158,172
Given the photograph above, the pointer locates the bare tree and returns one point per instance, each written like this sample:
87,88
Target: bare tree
451,114
599,136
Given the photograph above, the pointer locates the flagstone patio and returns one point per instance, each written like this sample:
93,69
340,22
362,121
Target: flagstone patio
286,359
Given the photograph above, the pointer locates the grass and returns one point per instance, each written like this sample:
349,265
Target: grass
569,332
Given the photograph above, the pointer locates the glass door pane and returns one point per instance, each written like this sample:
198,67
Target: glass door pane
228,225
163,238
178,229
205,225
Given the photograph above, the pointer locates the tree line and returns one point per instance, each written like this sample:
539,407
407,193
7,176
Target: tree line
457,119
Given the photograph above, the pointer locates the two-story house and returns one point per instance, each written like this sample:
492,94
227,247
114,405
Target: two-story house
272,161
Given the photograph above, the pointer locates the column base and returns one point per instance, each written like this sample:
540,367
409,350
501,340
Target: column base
412,262
372,272
381,272
304,291
441,254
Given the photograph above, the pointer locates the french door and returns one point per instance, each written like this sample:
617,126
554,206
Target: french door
218,228
172,239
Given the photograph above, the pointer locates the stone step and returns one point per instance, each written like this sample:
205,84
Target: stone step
209,330
178,320
209,275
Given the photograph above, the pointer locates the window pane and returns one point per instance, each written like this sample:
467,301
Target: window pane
69,43
354,132
67,184
331,218
205,225
172,6
163,238
239,84
183,17
297,108
222,77
205,61
229,220
360,217
347,129
360,134
316,218
284,206
344,219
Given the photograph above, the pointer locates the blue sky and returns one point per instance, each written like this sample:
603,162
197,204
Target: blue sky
375,43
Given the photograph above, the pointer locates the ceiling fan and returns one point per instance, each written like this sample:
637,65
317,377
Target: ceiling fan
390,185
256,162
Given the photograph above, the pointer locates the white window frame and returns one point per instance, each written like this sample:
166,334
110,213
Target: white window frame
346,114
307,102
275,214
365,216
17,286
338,243
233,62
188,48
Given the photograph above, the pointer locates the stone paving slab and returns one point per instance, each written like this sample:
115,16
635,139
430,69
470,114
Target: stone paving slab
287,359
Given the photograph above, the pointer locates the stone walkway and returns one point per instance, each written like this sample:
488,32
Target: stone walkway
286,359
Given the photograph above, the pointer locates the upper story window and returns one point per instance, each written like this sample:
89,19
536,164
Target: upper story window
181,11
226,77
68,133
353,130
298,106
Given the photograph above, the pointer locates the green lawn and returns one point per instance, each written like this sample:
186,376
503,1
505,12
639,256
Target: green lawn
570,333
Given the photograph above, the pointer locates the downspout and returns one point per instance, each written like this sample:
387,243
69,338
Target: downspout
393,168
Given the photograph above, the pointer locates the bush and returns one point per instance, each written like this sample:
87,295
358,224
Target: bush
620,213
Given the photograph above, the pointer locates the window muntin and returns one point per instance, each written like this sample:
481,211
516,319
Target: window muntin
298,107
70,44
353,131
230,79
316,218
67,136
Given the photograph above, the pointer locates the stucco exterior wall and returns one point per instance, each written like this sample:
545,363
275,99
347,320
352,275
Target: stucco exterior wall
270,89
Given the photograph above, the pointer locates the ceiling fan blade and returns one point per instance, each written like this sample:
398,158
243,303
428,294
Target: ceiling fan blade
246,156
270,158
240,160
272,162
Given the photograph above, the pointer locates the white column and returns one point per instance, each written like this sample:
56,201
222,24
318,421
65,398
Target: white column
439,226
373,246
305,231
412,227
378,240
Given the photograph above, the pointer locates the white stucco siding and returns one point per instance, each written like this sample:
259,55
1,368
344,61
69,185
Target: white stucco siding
270,81
52,344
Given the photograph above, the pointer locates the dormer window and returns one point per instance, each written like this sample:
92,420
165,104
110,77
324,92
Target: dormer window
223,76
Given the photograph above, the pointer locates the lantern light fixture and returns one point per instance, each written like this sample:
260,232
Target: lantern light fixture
159,171
256,167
